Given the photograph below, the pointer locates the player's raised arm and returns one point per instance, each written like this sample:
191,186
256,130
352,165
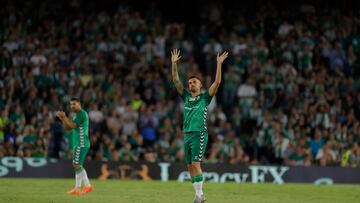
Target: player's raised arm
175,57
215,86
66,121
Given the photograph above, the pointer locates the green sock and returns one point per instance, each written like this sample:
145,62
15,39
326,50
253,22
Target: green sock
198,178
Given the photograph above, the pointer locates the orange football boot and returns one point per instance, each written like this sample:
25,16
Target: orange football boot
87,189
74,191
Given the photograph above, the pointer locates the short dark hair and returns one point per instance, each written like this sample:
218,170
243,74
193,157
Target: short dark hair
194,76
75,99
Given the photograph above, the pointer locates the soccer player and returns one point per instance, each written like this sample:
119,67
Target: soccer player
79,126
195,116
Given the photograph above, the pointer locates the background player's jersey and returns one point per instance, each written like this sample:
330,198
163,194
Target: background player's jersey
195,111
80,134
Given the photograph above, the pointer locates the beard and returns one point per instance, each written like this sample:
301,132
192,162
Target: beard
193,90
75,109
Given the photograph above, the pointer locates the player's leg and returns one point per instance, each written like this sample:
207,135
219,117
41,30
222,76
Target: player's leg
198,179
82,157
199,145
187,153
189,167
77,168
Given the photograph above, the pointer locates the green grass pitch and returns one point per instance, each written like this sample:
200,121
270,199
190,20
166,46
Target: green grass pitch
113,191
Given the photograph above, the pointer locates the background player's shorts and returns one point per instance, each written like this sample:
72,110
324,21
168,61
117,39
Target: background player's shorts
194,146
79,155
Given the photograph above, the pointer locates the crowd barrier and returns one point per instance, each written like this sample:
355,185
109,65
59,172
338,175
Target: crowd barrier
164,171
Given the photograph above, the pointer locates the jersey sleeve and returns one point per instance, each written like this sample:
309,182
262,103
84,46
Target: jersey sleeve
207,97
185,94
79,119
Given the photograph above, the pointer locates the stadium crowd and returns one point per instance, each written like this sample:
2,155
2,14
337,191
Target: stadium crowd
290,92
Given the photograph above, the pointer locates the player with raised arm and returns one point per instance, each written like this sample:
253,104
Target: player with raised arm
195,116
79,126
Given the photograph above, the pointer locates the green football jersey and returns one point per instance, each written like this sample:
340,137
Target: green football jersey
195,111
80,134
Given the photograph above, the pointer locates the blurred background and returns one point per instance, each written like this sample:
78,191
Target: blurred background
289,94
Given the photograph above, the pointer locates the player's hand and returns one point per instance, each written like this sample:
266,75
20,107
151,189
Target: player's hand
60,114
221,58
175,55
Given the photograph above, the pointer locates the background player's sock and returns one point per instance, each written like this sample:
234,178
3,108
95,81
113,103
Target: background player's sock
198,182
78,177
85,178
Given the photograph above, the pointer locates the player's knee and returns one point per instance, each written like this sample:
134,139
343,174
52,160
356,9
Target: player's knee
189,166
76,166
196,166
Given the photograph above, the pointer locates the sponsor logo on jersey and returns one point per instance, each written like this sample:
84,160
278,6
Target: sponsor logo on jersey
194,98
191,108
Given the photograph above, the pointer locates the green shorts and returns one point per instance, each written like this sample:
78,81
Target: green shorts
194,146
79,155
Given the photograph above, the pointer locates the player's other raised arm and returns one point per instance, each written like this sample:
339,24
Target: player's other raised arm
215,86
175,57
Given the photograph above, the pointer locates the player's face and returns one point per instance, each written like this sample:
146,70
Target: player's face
194,85
75,106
